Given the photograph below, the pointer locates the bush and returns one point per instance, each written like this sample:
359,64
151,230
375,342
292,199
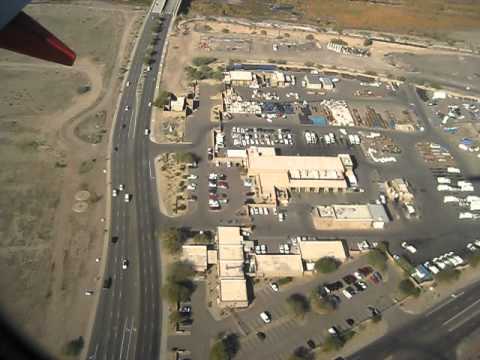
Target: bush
299,305
407,287
171,240
203,239
377,259
448,275
74,347
309,37
326,264
163,99
225,348
285,280
203,60
367,42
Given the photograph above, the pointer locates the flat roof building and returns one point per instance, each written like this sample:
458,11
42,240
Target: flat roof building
294,173
278,265
312,250
178,105
234,292
196,255
364,216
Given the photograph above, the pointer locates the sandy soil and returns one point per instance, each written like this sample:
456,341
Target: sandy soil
47,248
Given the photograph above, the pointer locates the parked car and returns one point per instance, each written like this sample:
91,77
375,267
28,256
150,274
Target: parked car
274,286
337,285
365,271
107,283
311,344
127,198
347,294
265,316
349,279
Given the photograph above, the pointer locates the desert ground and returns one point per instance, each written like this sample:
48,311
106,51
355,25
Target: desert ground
54,124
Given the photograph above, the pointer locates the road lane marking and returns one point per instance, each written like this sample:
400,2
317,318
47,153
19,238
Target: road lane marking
123,338
461,312
464,320
150,167
440,306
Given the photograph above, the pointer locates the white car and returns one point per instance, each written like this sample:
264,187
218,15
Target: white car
127,197
124,264
114,192
257,249
409,248
265,317
126,108
192,177
147,131
263,248
212,176
149,104
88,292
477,243
471,247
347,294
191,186
121,187
128,83
274,286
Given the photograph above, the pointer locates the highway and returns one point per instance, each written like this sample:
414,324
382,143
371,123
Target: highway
434,335
128,317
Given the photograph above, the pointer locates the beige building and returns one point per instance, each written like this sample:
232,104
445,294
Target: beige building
196,255
233,288
274,173
178,105
312,250
278,265
240,78
399,189
358,217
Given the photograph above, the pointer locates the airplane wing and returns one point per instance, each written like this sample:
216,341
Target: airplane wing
20,33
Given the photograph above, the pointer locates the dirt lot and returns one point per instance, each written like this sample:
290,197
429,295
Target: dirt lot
434,17
47,251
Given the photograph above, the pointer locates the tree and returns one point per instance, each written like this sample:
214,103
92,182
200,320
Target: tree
299,305
367,42
203,60
322,304
309,37
225,348
377,259
176,317
171,240
179,285
407,287
326,264
163,99
74,347
203,239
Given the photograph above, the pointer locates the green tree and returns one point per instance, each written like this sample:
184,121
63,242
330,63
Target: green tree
302,353
225,348
407,287
326,264
298,304
163,99
203,60
171,240
74,347
205,238
378,259
179,285
322,304
219,351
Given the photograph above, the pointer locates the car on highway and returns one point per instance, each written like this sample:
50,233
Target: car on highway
149,104
114,193
121,187
274,286
147,132
127,198
266,317
192,177
124,264
114,239
127,83
89,292
107,283
126,108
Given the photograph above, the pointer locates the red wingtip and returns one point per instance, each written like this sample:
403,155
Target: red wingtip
25,35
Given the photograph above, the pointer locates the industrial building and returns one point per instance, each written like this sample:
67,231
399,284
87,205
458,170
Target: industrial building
275,174
279,265
359,217
317,82
240,78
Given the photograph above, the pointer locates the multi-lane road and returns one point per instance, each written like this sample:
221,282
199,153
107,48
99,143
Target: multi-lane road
434,335
128,316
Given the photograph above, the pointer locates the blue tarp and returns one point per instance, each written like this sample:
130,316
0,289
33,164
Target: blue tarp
318,120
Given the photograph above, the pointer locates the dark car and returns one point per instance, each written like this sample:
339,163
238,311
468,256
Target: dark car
351,290
261,335
311,344
107,283
337,285
114,239
365,271
349,279
358,287
350,321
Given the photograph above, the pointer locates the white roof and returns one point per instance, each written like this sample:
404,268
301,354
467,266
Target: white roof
238,75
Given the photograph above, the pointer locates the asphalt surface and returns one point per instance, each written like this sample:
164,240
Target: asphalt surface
128,318
432,336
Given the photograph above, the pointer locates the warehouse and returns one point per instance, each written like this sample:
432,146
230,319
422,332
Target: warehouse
359,217
312,250
317,82
240,78
274,173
